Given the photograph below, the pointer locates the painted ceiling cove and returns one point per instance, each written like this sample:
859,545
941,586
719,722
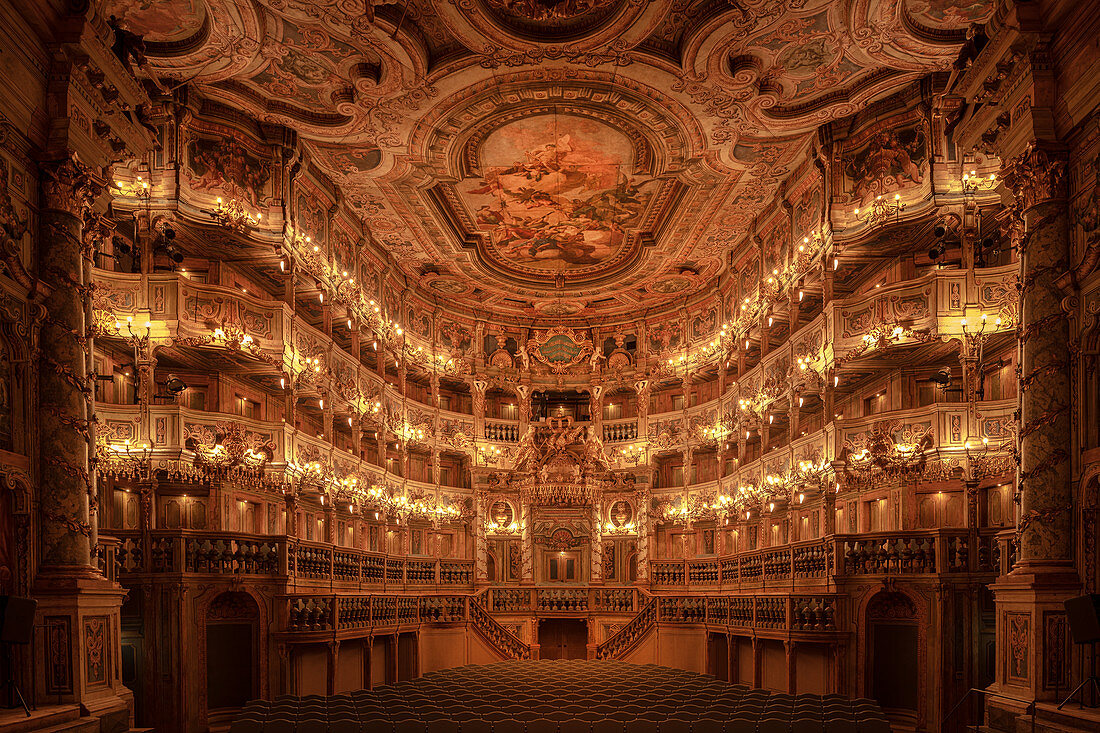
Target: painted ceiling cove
554,157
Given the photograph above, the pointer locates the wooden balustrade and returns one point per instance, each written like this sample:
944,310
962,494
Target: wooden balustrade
618,432
279,556
333,613
106,556
502,432
561,600
805,614
827,559
630,634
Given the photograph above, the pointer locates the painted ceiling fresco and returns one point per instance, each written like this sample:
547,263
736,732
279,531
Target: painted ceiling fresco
557,156
557,195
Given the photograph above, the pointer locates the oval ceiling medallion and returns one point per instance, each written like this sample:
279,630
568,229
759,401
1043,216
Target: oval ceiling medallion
671,285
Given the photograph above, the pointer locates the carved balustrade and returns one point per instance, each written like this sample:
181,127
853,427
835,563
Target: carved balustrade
503,640
106,556
621,431
800,612
544,601
630,634
775,565
829,559
309,613
277,556
563,600
502,432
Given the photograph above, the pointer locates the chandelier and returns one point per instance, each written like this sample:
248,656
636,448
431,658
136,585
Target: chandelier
123,460
972,182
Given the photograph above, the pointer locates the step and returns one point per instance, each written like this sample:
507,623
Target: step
86,724
14,720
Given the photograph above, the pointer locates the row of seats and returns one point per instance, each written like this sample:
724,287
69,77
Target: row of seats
574,696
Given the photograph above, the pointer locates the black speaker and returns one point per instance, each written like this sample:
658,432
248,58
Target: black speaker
1083,613
17,619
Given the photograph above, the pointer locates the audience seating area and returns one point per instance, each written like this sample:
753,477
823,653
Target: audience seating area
563,697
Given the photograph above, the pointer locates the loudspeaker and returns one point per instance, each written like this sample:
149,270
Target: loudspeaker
1083,613
17,619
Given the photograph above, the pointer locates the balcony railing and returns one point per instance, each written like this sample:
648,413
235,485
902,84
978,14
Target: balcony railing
502,432
336,613
297,561
565,600
618,432
908,552
185,308
500,638
802,614
630,634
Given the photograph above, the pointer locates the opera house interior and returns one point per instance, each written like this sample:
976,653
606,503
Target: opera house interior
549,366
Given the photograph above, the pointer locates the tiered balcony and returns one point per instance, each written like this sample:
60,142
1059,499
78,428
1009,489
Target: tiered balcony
189,312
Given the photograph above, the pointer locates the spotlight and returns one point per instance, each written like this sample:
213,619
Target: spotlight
942,378
939,230
174,385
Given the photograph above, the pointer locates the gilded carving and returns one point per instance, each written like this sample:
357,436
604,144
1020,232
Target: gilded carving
1036,176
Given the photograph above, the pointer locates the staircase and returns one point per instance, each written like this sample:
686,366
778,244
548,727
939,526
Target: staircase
629,635
503,641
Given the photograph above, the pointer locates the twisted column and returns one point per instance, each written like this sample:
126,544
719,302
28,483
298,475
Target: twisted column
67,529
1037,179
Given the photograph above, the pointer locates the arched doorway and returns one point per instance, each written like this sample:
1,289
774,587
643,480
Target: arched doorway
232,648
893,645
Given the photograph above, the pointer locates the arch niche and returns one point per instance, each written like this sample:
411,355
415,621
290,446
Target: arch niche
894,646
232,649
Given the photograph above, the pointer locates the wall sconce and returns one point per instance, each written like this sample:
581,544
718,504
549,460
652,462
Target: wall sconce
233,216
972,183
880,210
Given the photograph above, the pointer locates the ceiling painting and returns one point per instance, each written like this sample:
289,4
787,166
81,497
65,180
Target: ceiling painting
557,196
948,13
554,159
160,21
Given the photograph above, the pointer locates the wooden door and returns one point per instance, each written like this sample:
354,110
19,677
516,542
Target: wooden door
563,638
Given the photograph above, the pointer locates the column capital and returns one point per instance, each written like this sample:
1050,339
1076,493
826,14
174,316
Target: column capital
1037,175
69,186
